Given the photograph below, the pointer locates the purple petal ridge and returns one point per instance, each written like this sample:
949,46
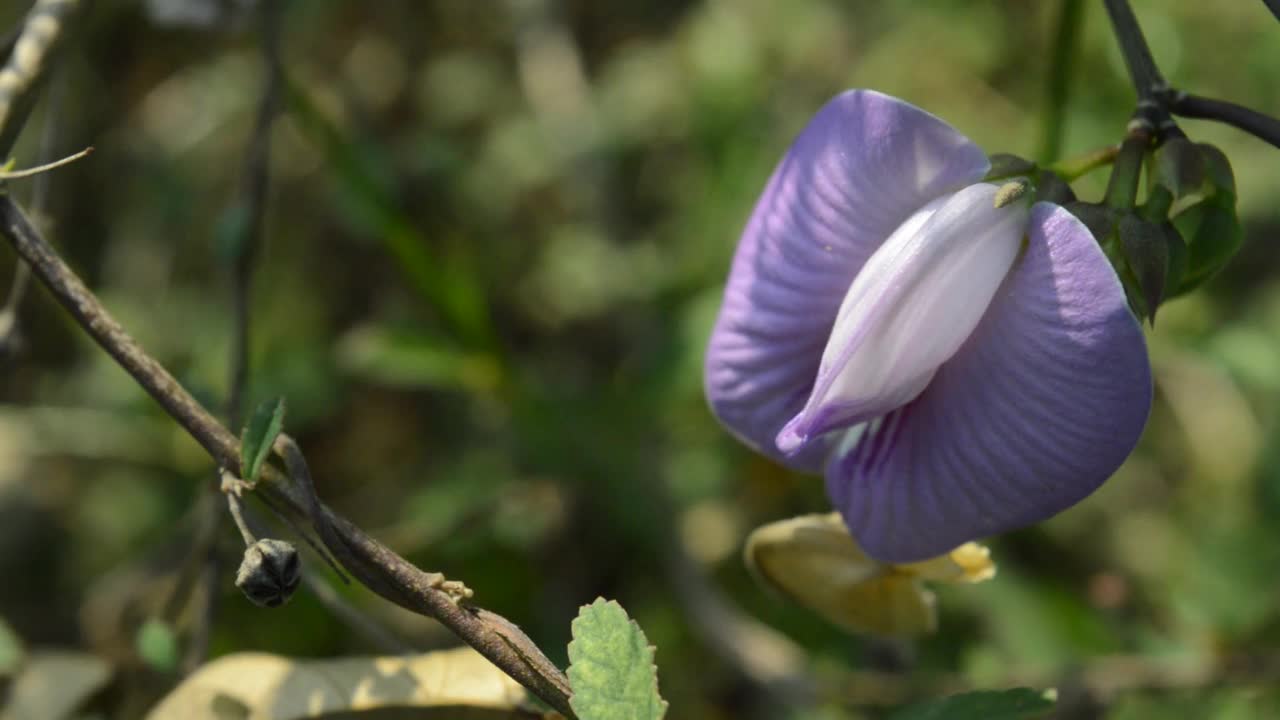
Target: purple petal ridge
861,167
1038,408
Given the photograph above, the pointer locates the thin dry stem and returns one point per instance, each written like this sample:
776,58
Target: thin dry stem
375,565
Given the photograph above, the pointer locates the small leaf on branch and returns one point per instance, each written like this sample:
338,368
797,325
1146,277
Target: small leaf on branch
258,437
1015,704
611,667
1210,227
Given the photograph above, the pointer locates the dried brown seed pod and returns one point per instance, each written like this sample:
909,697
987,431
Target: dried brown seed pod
269,573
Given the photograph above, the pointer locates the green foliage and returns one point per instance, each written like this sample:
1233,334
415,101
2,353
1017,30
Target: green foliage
422,200
230,233
1213,235
157,645
1015,704
611,667
258,436
1210,226
10,650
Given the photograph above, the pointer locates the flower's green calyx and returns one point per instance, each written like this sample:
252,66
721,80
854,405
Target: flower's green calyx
1005,165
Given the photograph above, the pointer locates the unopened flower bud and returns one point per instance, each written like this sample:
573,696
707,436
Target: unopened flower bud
269,573
1147,253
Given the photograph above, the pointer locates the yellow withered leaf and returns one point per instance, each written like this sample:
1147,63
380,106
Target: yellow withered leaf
814,561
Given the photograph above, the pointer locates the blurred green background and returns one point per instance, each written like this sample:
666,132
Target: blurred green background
496,238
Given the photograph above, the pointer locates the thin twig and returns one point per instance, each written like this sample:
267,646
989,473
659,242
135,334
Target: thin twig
252,527
1263,127
1072,169
399,581
301,532
377,635
43,32
39,207
41,169
1143,72
371,562
253,204
1274,7
237,514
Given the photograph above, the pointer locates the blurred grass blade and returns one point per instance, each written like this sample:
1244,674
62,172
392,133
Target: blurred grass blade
446,282
258,436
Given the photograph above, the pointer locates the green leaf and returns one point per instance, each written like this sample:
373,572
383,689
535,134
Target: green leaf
1213,235
1146,251
1015,704
445,278
157,645
611,667
258,437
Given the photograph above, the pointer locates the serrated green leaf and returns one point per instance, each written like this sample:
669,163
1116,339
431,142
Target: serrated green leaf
1015,704
157,645
611,667
258,436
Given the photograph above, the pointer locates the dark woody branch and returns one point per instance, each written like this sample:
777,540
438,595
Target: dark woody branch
1263,127
1157,100
374,564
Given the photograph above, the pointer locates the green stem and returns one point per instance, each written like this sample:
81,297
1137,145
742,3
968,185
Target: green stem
1076,167
1122,189
1137,55
1061,68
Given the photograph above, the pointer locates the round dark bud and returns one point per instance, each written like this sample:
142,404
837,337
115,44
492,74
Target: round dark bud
269,573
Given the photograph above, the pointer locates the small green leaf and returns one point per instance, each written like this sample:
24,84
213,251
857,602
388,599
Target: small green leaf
1213,235
258,436
157,645
1146,250
611,667
1015,704
1180,167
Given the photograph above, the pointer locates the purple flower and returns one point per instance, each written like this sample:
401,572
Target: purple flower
960,364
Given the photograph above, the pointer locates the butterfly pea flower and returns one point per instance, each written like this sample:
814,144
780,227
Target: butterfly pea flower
958,360
813,561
